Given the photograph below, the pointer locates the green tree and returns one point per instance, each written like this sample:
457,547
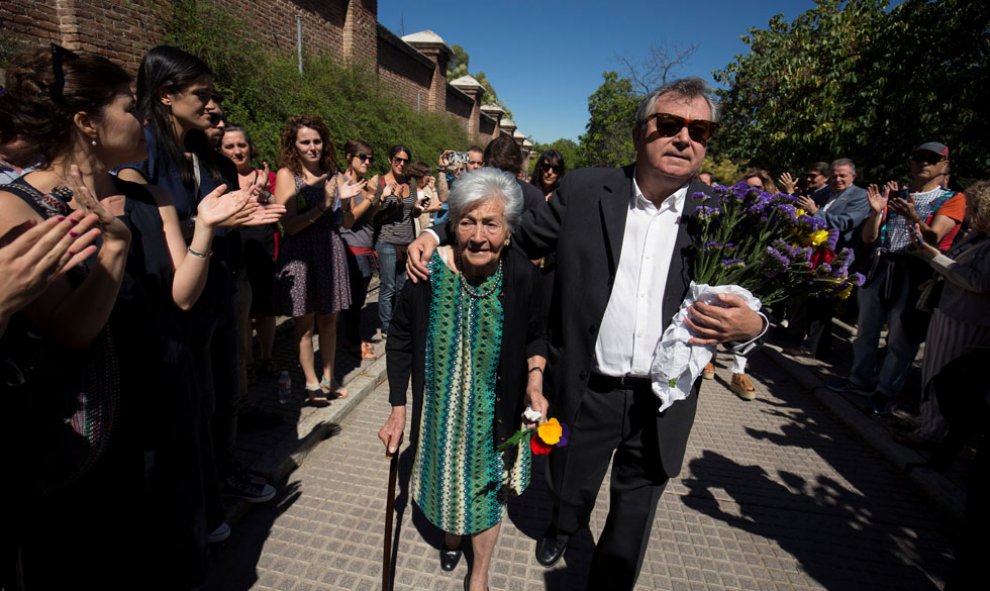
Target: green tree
458,64
607,140
491,97
855,79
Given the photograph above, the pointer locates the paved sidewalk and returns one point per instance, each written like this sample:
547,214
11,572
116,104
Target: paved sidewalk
775,494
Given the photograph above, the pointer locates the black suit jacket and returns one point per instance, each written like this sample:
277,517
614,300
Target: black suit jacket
584,225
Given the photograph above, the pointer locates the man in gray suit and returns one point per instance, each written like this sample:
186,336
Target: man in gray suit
843,206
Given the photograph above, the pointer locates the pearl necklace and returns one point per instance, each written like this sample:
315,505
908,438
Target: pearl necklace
496,283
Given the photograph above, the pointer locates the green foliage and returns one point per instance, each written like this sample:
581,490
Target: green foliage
607,140
262,90
458,64
725,171
852,79
569,149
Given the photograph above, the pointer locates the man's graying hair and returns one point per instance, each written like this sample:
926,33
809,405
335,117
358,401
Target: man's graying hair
685,88
844,162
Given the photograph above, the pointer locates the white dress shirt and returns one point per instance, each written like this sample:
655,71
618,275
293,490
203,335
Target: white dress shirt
633,321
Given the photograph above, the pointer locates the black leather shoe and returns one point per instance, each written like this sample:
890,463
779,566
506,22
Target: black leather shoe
449,558
549,549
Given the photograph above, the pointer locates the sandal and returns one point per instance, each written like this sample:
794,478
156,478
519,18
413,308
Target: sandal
315,397
368,351
333,390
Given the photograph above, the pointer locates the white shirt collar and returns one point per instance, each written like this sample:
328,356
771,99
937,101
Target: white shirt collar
674,203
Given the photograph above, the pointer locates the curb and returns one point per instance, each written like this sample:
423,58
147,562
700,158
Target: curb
939,490
312,429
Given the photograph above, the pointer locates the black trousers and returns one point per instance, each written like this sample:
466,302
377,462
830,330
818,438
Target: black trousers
623,421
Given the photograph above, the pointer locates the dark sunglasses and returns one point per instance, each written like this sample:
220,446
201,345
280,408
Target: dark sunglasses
60,55
699,130
364,157
217,119
926,157
551,168
398,160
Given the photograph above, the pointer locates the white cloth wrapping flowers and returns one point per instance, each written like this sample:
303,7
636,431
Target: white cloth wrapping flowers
676,364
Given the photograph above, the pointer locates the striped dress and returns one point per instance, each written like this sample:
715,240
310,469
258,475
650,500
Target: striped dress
459,481
949,337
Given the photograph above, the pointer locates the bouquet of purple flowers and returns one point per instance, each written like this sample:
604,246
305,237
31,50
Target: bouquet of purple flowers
757,245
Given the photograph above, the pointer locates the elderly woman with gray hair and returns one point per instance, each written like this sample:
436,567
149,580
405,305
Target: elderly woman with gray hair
471,338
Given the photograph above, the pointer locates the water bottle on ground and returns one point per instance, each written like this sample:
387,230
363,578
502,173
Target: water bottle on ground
284,387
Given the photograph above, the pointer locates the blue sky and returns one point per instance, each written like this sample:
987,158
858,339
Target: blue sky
545,57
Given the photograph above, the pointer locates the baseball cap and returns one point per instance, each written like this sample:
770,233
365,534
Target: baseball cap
936,147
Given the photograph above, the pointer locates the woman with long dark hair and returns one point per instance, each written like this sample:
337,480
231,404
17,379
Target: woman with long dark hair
550,168
313,282
79,113
395,230
175,95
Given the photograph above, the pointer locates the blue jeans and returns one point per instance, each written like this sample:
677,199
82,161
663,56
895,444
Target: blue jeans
392,272
873,312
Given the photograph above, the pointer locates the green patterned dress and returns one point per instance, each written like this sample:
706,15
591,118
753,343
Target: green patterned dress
459,481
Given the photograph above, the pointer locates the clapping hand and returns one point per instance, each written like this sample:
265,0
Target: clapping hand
904,207
808,204
237,209
788,182
878,198
110,225
33,254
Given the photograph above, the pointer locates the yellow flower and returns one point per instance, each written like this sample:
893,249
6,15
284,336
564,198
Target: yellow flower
818,237
800,212
550,432
846,292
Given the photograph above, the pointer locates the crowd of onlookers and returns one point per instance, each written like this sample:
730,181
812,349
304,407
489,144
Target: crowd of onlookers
920,246
153,255
150,341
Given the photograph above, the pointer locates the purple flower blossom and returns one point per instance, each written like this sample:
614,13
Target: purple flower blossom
858,278
733,263
705,213
782,261
701,196
833,238
565,435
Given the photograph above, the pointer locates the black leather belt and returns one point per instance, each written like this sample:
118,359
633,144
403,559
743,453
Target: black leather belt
599,381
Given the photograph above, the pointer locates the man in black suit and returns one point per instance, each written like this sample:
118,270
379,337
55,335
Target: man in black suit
623,269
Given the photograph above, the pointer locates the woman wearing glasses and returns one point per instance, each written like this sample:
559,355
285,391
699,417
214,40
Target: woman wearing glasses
360,242
394,230
313,282
549,170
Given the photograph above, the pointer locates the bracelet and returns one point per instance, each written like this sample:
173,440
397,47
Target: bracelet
196,253
532,369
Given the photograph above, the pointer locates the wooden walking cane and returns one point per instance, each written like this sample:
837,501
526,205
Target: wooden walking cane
393,472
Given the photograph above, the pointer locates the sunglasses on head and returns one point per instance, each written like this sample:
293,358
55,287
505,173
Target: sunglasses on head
699,130
926,157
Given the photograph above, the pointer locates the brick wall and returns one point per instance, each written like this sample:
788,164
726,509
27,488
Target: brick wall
123,30
403,71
